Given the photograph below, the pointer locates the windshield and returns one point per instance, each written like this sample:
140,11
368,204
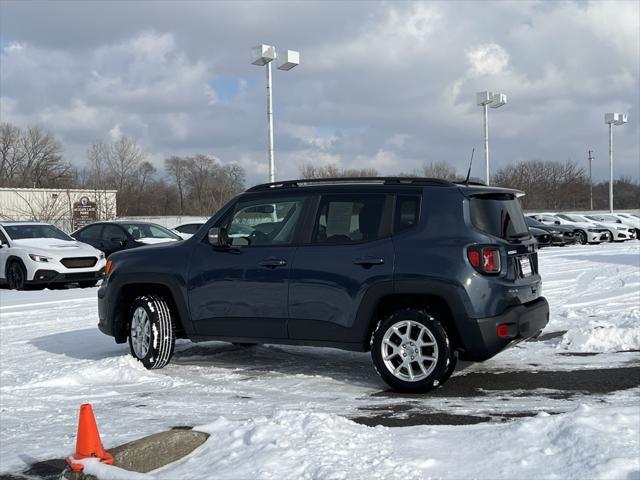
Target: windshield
21,232
499,215
574,218
609,218
148,230
532,222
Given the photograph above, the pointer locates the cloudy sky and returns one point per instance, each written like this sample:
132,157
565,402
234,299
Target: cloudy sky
388,85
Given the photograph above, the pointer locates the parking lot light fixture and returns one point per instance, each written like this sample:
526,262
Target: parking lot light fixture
612,119
263,55
494,100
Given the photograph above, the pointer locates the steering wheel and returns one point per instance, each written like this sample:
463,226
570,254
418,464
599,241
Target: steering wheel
258,237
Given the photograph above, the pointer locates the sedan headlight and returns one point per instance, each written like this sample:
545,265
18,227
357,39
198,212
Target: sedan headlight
39,258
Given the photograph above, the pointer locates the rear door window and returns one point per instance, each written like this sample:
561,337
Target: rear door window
349,219
499,215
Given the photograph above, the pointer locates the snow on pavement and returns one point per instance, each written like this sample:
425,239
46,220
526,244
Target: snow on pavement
283,412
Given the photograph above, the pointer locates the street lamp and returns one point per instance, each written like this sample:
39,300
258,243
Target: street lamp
263,55
613,119
493,100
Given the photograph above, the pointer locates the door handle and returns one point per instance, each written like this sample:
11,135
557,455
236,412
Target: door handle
273,262
368,261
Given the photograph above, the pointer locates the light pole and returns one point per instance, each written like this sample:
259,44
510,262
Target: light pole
590,181
493,100
613,119
263,55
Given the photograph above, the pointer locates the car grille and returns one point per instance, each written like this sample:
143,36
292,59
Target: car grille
79,262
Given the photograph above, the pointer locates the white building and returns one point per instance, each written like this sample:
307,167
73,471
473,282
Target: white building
66,208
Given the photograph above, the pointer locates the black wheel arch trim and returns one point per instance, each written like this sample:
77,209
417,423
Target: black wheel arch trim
126,286
451,294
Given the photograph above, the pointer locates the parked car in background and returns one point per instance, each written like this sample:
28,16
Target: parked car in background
629,219
616,232
542,236
619,229
112,237
586,231
186,230
560,235
38,255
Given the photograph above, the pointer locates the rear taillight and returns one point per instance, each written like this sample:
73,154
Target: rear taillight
484,259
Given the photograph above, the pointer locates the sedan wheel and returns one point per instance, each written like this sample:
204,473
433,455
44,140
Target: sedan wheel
582,237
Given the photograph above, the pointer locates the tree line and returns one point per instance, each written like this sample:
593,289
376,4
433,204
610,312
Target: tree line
200,184
549,185
191,185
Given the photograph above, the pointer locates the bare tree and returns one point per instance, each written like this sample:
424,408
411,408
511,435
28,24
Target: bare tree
32,158
547,184
43,165
11,153
177,168
309,171
125,157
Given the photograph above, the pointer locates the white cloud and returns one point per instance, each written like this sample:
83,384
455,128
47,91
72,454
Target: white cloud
488,59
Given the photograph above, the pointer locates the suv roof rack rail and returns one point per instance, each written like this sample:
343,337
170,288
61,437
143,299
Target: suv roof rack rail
417,181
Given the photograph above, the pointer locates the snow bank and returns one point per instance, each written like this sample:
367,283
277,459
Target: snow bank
301,445
605,334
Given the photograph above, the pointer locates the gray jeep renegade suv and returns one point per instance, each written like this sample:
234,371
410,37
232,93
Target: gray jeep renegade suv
419,271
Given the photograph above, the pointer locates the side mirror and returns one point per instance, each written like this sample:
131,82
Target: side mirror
120,241
218,237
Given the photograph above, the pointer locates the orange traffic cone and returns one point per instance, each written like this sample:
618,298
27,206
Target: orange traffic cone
88,443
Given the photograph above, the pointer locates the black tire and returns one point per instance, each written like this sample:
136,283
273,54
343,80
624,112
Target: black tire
440,370
161,332
611,237
87,284
581,237
453,362
16,275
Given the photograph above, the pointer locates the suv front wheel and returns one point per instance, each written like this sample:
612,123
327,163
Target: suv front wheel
412,352
151,333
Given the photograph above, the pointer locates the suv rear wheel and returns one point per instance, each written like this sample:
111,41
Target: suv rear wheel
412,352
151,334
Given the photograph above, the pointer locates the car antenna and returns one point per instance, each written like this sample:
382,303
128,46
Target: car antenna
466,182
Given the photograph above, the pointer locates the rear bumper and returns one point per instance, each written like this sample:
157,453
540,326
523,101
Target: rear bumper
523,321
47,277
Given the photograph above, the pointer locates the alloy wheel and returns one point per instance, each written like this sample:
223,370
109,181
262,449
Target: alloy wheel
140,332
409,351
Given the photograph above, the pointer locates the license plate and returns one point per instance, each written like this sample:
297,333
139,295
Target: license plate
525,266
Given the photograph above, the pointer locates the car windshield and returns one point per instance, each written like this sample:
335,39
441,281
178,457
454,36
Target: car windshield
148,230
532,222
21,232
573,218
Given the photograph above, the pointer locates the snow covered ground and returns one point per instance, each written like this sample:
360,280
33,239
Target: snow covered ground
570,410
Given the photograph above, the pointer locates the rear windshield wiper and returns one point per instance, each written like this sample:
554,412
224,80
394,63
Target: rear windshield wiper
518,235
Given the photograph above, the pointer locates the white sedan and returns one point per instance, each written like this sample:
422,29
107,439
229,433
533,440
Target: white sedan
37,255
